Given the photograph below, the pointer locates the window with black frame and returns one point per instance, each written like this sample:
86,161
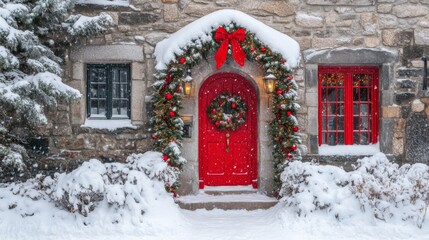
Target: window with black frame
108,91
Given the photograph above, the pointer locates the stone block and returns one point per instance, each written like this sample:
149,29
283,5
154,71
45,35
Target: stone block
398,146
371,42
137,91
311,71
170,1
405,111
78,71
171,12
384,8
405,97
350,56
107,53
417,138
61,130
408,11
279,8
406,83
386,135
313,141
387,21
391,111
417,106
137,18
409,72
198,10
308,21
340,2
137,71
312,120
311,99
421,36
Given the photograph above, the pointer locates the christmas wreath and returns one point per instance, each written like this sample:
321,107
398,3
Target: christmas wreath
227,112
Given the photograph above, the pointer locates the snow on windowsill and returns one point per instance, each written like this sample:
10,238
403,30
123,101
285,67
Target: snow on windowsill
111,124
351,150
105,2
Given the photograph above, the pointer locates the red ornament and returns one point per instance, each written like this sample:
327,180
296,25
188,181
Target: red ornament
279,92
289,77
165,157
172,114
154,136
217,123
228,120
226,38
214,111
262,49
169,163
289,113
233,105
283,62
174,194
294,147
182,60
295,129
168,96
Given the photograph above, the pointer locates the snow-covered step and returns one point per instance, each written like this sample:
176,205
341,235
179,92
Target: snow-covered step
225,190
249,201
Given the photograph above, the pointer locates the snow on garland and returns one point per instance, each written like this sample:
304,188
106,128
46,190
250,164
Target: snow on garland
256,41
227,112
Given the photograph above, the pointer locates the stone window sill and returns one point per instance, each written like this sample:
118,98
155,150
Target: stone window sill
349,150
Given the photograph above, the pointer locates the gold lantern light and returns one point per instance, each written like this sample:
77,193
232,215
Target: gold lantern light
269,82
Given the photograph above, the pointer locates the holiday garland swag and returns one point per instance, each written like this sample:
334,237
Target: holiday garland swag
241,44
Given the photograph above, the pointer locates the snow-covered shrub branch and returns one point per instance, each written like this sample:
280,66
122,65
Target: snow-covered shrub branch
376,185
29,69
131,186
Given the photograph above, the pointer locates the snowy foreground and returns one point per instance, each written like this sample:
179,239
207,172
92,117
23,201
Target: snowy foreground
128,201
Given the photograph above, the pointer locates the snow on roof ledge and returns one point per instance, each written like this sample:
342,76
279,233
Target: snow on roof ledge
166,50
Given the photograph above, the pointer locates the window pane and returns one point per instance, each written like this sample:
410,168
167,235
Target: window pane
98,107
362,80
120,107
333,79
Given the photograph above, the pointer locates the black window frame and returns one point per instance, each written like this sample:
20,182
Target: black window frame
109,68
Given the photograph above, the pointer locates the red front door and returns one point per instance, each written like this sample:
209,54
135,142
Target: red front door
218,165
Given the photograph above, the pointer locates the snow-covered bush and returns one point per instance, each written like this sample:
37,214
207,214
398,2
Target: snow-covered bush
29,69
81,190
308,187
132,186
376,185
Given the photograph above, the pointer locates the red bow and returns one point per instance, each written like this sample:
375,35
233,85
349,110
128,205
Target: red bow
223,36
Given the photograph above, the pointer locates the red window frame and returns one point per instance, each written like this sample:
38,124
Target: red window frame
348,128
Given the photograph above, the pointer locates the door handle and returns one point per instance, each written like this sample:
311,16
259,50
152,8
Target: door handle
227,142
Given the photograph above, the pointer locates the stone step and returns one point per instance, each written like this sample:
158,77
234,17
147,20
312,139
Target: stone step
248,201
229,190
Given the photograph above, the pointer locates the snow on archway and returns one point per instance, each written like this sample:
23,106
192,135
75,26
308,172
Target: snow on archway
201,31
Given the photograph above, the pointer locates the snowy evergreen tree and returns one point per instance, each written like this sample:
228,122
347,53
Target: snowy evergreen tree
30,72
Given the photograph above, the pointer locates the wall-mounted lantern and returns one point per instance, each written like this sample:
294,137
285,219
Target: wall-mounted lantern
425,73
269,81
188,83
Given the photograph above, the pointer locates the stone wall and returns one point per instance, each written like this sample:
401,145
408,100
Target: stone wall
398,29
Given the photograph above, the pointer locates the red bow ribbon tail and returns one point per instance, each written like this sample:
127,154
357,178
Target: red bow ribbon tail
237,52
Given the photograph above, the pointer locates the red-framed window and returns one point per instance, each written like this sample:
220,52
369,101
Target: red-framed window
348,105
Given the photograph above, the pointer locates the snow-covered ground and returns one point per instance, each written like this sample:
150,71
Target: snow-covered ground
128,201
272,224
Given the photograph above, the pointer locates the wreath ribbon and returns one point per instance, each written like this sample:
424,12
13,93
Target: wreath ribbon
226,38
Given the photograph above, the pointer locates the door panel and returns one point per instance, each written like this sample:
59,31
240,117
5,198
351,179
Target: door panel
217,165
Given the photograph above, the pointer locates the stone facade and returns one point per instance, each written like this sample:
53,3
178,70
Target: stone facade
392,35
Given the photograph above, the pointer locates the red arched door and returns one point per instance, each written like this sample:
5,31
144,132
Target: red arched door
217,165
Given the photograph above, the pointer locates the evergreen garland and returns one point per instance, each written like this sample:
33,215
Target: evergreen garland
168,95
